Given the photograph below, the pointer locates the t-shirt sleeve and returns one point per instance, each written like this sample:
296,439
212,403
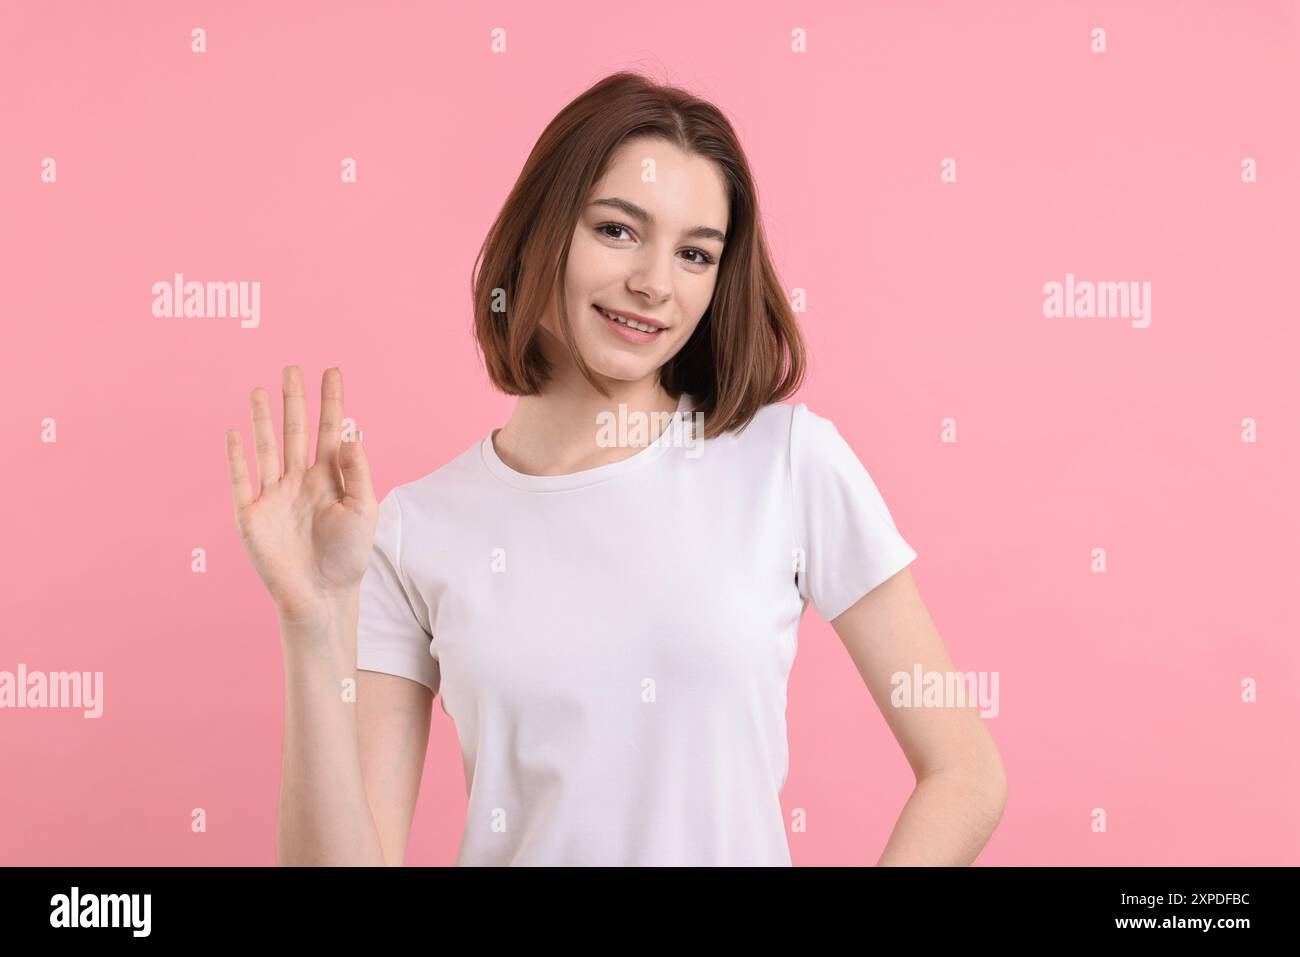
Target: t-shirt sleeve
848,538
390,636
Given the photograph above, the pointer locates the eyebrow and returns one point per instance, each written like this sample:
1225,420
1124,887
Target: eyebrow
636,212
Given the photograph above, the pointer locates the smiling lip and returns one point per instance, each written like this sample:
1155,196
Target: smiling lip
627,332
636,318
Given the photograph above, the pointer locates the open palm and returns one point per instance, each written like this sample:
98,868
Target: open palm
310,531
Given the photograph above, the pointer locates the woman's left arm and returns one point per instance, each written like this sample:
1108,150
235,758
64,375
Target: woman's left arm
961,785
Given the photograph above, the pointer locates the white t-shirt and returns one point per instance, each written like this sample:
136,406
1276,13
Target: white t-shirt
613,645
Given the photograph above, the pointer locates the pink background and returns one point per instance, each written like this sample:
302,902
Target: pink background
1118,690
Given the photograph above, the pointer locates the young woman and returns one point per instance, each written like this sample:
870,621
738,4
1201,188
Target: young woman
606,590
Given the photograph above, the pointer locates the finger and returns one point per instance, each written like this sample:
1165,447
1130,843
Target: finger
356,471
237,469
331,419
268,455
296,442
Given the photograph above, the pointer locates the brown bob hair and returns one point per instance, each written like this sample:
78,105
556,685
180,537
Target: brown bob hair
747,350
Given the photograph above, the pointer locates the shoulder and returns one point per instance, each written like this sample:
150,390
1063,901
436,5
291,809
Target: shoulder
422,497
797,427
790,429
772,423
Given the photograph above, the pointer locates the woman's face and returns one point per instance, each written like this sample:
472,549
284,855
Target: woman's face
648,243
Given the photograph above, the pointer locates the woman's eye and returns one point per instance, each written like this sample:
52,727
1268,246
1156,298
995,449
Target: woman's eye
606,226
704,260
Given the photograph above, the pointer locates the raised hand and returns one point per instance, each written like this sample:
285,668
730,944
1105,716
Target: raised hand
310,530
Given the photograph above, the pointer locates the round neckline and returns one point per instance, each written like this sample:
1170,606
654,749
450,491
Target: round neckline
585,477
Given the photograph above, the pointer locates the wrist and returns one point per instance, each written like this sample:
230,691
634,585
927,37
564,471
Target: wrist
327,619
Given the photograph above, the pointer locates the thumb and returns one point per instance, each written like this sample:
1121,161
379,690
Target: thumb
356,471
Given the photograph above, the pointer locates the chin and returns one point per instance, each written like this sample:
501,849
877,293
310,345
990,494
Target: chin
621,368
612,361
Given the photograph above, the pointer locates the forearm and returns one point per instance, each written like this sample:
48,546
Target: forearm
324,815
948,819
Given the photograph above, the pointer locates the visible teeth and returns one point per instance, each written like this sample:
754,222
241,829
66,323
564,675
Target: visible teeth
628,322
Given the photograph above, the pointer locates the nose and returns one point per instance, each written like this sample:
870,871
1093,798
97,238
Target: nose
652,277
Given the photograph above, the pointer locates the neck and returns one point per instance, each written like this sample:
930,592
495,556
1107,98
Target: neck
557,432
